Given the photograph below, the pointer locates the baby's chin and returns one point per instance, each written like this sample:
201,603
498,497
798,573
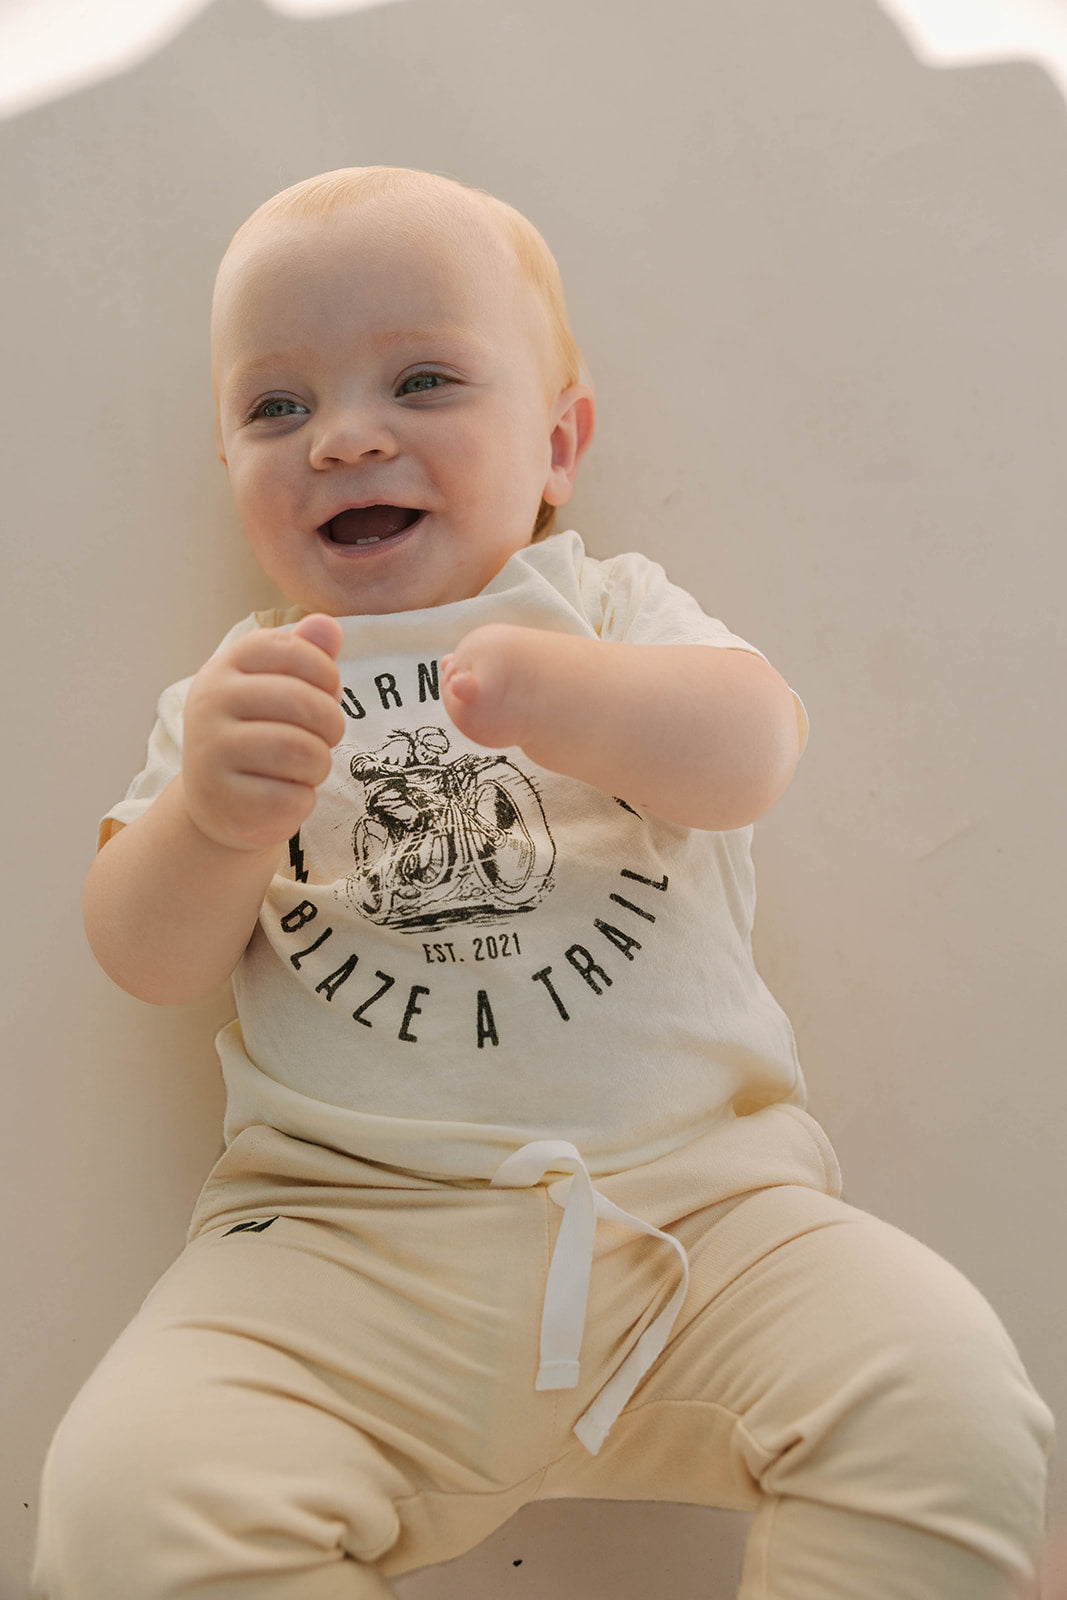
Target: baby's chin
420,568
365,602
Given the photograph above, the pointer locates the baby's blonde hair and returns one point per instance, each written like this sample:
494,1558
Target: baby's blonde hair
330,193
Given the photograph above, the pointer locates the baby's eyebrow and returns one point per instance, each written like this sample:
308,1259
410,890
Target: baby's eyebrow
445,332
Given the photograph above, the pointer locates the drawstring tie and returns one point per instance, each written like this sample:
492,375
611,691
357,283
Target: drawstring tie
567,1292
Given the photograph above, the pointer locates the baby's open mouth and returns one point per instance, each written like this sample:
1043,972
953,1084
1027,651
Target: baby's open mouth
370,524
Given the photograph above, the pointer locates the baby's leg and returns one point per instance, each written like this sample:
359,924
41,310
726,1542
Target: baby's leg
847,1384
306,1402
203,1460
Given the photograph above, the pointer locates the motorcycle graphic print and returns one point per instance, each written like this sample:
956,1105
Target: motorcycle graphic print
439,841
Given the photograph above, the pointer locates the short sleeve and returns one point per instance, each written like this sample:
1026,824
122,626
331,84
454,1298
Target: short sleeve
638,604
164,762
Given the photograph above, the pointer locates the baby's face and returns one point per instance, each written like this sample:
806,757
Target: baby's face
357,368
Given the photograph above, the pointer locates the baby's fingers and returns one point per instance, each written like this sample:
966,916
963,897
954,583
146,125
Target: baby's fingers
269,697
276,750
290,654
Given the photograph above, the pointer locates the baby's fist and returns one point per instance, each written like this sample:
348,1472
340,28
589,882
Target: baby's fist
486,683
261,719
322,630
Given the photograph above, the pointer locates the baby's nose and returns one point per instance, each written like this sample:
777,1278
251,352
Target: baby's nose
349,435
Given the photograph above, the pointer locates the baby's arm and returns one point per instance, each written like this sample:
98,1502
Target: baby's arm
704,736
171,900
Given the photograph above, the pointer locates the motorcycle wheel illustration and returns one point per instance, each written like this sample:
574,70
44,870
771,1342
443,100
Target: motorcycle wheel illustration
513,849
371,843
424,861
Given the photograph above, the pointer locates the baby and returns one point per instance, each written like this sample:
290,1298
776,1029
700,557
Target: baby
468,825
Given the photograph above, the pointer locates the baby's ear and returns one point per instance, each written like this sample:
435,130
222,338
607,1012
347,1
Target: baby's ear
571,437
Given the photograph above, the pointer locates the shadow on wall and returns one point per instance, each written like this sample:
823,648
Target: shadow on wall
592,1549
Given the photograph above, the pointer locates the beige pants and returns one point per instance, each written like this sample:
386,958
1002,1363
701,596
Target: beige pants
345,1390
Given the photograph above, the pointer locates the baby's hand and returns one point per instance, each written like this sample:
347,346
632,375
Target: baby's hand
487,683
260,722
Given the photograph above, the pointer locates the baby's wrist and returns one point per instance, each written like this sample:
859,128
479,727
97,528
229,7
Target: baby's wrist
206,837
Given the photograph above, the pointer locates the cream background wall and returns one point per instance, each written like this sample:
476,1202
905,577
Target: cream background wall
820,288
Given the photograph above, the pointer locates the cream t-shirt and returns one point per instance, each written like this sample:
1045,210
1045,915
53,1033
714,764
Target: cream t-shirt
461,951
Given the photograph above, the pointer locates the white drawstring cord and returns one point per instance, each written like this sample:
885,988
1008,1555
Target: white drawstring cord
567,1290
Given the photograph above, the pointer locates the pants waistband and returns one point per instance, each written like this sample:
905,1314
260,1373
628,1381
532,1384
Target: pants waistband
567,1292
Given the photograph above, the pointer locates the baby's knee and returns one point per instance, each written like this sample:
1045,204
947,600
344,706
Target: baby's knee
105,1486
932,1417
959,1385
86,1489
958,1443
963,1380
162,1483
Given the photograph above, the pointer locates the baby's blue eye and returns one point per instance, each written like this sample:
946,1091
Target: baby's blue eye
268,408
422,382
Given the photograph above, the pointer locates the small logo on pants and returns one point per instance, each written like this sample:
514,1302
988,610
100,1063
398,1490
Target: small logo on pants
249,1227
